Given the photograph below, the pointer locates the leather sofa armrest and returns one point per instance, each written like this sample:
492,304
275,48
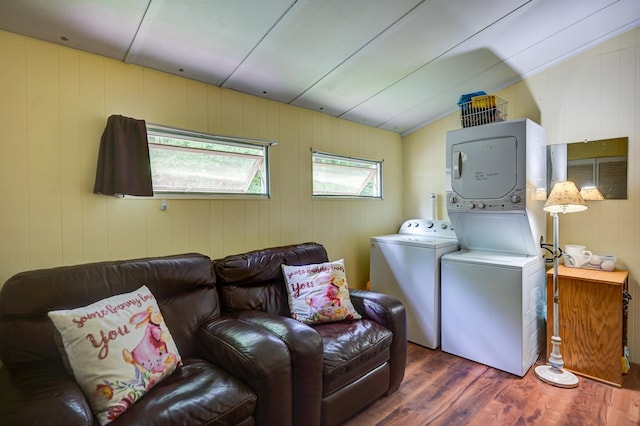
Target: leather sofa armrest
389,312
41,393
256,357
306,350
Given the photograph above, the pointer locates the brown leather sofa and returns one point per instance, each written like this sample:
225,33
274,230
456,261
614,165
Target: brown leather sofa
232,372
338,368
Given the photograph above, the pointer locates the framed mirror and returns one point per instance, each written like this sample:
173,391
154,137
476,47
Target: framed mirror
598,168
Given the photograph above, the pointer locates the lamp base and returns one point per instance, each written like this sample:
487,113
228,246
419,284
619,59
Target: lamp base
556,377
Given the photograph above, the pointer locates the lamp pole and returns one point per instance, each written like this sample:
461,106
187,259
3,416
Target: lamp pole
555,359
554,373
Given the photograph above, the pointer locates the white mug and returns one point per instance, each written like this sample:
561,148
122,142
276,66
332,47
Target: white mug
574,249
577,256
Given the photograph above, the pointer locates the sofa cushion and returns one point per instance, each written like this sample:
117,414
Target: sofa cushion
352,349
319,292
183,285
254,280
197,393
118,349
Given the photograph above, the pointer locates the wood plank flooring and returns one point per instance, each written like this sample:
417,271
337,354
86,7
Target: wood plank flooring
443,389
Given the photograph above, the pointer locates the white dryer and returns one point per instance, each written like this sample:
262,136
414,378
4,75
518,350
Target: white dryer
407,265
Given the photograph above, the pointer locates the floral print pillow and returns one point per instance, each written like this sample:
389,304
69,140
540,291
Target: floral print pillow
118,349
319,293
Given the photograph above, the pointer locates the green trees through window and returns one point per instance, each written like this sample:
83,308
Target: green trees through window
335,175
192,163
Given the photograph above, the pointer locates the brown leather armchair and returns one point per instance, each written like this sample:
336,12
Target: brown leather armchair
232,372
338,368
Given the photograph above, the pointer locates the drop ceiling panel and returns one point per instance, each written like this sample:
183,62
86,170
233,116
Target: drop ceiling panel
565,27
207,39
576,37
445,101
393,64
451,71
102,27
412,43
480,58
310,41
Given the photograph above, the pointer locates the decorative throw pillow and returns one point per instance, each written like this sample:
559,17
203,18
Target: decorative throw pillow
118,349
319,293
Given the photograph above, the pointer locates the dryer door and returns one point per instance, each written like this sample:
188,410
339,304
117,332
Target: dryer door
484,169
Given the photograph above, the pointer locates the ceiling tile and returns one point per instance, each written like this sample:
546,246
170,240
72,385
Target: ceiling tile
311,40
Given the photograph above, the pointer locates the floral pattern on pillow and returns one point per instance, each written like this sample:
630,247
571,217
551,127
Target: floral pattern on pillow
118,349
319,293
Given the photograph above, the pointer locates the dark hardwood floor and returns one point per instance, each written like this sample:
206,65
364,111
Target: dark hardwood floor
442,389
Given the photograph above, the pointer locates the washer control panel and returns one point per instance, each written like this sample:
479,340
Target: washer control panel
514,201
428,228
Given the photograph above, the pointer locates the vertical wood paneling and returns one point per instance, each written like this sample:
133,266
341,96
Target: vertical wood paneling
197,100
92,122
179,102
263,207
43,142
234,230
180,227
275,204
159,243
216,230
123,90
14,172
57,103
305,210
126,228
199,238
289,175
157,100
70,157
232,113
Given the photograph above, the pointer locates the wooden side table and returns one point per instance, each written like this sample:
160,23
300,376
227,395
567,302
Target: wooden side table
592,321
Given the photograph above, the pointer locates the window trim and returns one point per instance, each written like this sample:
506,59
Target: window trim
160,130
331,155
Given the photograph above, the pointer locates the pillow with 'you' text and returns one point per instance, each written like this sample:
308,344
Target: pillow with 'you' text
118,349
319,292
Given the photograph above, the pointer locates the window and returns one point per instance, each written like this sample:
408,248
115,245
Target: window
335,175
190,163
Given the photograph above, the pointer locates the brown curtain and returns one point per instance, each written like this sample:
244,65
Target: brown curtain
123,161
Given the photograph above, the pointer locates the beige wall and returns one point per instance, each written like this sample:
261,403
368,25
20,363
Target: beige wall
595,95
54,103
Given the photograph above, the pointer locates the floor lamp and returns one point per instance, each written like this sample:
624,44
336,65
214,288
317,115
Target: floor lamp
564,198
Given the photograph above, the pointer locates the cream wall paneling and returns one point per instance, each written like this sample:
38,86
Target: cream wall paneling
54,104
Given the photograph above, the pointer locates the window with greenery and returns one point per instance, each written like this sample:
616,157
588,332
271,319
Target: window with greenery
336,175
190,163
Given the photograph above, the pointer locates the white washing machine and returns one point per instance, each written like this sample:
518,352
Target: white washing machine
407,265
493,308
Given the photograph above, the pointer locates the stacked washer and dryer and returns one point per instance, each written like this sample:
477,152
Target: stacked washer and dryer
492,296
475,286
